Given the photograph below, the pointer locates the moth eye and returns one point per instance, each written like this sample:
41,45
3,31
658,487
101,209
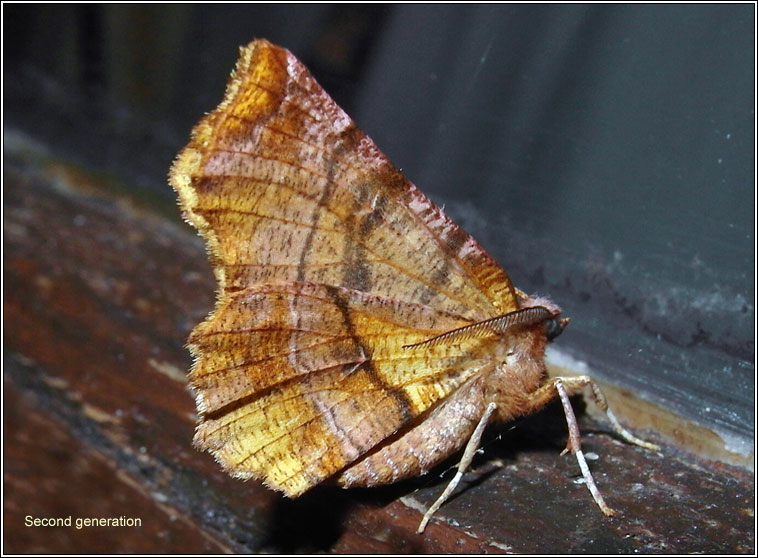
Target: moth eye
553,328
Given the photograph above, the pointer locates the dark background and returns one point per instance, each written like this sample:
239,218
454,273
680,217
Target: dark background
603,154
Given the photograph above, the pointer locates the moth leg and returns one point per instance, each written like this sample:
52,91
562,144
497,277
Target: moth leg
575,384
564,386
468,456
575,445
602,404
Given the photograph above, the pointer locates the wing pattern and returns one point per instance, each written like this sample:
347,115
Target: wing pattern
328,261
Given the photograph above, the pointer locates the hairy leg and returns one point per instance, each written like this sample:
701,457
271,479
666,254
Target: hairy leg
564,386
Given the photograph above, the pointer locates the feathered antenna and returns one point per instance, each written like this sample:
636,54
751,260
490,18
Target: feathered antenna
492,326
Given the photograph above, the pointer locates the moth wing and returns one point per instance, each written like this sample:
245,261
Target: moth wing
328,261
331,384
285,187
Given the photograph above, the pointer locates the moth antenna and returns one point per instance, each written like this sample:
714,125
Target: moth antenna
492,326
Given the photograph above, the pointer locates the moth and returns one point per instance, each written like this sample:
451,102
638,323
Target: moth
359,336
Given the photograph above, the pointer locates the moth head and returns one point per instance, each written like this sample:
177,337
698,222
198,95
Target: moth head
554,326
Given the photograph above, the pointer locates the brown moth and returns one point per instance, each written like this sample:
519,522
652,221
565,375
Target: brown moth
359,335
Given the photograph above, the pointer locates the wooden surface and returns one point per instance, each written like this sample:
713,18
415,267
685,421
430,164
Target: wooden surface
100,292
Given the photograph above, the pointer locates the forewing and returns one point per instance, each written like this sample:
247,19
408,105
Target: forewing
284,187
